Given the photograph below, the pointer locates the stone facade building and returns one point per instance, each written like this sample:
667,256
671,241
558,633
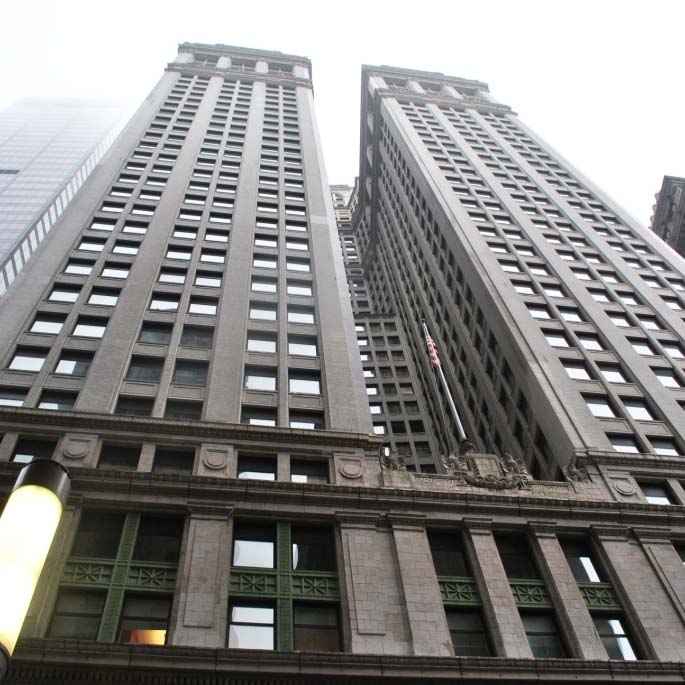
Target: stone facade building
668,220
186,345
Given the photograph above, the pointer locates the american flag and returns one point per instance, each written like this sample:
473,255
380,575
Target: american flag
432,351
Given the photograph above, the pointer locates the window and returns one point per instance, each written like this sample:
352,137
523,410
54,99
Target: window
301,265
112,270
254,545
197,336
90,245
190,372
448,554
576,370
251,626
180,409
667,378
261,342
299,288
315,627
264,285
256,467
159,539
467,630
642,347
57,401
308,471
665,447
302,382
155,333
12,397
612,373
312,549
47,324
164,303
64,294
590,342
570,314
556,339
144,619
172,276
212,257
656,493
539,312
89,328
614,637
674,351
134,406
78,267
637,409
262,312
599,406
121,457
77,614
581,561
147,369
624,443
107,298
516,558
176,253
204,306
543,636
26,359
98,535
300,315
258,416
206,279
306,420
28,449
121,247
257,378
176,461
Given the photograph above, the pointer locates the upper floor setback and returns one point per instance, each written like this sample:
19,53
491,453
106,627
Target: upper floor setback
242,62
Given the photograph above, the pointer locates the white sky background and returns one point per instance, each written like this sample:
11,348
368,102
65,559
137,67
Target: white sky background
601,80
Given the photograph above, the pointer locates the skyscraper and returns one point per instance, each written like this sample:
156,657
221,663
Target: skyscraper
193,343
48,146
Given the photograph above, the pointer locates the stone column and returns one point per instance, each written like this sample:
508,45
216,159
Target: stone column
200,614
425,612
574,617
655,621
499,607
371,587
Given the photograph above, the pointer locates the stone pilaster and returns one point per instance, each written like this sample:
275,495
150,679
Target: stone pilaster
425,611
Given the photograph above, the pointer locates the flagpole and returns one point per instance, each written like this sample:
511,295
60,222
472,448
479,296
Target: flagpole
464,442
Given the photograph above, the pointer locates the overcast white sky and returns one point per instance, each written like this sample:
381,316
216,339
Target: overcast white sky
602,81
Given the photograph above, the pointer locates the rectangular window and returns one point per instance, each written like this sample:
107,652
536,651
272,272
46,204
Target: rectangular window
261,342
190,372
176,461
303,382
543,635
308,471
57,401
144,619
197,336
77,614
302,346
448,554
312,549
256,467
254,545
467,630
159,539
120,457
315,628
251,626
155,333
98,535
614,637
148,369
257,378
516,557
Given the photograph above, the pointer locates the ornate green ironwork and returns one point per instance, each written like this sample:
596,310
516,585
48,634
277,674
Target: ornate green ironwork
253,583
152,576
530,593
599,596
459,591
318,585
88,572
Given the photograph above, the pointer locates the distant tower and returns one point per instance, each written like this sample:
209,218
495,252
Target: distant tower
668,220
48,147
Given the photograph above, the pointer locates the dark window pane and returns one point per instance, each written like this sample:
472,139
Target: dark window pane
308,471
254,545
124,457
178,409
469,637
77,614
257,468
28,449
581,560
448,555
98,535
191,372
74,363
173,461
313,549
516,559
315,628
145,369
158,334
543,635
197,336
614,637
144,619
159,539
135,406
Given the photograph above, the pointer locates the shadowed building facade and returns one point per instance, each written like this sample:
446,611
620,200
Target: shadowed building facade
188,344
668,220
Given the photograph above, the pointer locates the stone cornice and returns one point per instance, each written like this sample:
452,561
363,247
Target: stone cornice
380,70
58,661
610,458
12,418
231,72
240,52
432,98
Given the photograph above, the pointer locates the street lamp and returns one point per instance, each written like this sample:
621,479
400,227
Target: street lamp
27,527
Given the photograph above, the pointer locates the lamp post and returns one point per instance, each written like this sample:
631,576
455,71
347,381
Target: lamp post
27,528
